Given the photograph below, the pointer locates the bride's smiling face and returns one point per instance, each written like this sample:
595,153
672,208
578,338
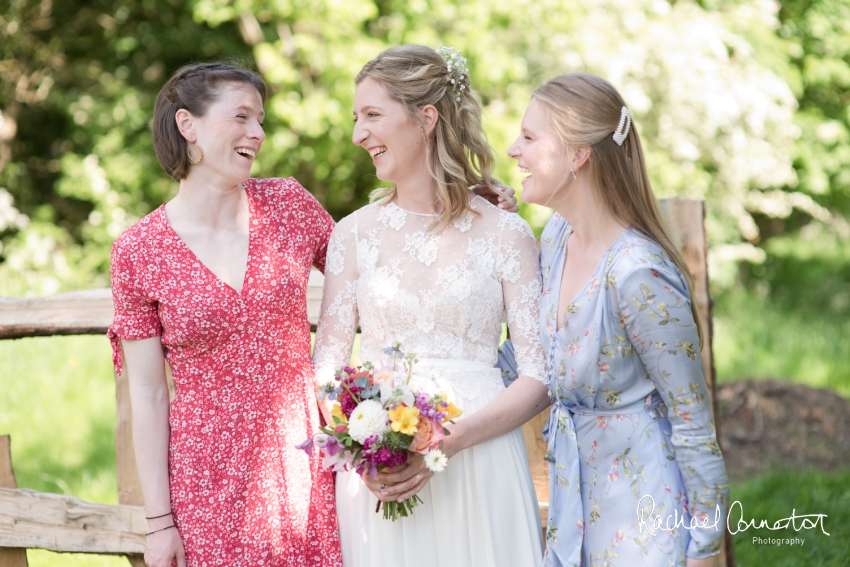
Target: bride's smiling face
383,127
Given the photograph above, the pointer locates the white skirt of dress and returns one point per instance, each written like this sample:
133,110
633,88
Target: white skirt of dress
480,512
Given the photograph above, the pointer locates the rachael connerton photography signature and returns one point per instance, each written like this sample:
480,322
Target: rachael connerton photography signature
806,521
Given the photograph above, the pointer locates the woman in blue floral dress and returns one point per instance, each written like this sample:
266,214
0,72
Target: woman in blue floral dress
636,475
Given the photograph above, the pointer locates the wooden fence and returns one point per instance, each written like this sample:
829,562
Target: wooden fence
30,519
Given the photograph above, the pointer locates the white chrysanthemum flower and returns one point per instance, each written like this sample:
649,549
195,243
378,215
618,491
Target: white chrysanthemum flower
367,419
436,460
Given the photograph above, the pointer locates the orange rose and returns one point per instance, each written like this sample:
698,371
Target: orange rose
427,437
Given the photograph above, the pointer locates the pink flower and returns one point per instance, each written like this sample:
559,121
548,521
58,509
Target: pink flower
666,488
621,536
687,417
338,463
594,445
603,366
613,476
613,543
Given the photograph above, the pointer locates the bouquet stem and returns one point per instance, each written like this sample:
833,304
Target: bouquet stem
394,510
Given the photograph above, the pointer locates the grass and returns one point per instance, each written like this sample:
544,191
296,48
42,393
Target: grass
757,337
775,496
58,404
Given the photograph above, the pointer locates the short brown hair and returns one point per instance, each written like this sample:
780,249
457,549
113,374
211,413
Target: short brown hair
193,87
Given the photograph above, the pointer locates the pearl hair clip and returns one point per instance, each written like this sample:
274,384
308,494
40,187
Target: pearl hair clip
623,127
456,66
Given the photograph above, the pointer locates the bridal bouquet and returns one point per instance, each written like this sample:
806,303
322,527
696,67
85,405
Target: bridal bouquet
381,418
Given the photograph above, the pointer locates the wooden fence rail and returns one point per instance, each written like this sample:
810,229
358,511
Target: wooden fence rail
60,523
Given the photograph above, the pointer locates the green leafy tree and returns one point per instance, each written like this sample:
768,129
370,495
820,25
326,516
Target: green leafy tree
715,89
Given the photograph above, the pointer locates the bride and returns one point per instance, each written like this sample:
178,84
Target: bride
433,267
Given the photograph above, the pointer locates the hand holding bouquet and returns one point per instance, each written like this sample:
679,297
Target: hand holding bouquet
380,419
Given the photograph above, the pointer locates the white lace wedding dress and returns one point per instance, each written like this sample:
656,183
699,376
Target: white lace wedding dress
442,296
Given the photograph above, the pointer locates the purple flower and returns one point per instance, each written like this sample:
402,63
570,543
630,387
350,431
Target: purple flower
306,446
348,404
366,466
329,445
379,456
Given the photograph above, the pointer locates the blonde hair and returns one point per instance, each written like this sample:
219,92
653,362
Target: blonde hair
457,152
585,111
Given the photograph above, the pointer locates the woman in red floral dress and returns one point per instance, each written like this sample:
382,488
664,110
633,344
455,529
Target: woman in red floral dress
215,283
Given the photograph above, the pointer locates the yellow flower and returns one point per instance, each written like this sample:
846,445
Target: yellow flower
336,412
452,411
404,419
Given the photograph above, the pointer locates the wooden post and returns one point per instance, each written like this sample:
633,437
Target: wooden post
686,221
129,487
9,556
535,448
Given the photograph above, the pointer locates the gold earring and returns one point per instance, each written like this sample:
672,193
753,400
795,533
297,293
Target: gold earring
196,160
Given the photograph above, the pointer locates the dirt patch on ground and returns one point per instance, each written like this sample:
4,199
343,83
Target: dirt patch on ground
768,423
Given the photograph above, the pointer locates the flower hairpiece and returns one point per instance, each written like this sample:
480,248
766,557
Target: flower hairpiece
623,127
458,71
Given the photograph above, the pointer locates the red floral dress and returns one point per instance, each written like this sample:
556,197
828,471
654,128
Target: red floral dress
241,493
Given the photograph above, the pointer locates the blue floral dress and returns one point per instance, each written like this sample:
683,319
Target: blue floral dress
635,470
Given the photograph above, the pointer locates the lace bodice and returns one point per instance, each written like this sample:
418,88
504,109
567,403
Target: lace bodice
440,295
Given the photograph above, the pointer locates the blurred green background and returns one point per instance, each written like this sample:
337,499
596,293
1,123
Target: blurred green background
741,102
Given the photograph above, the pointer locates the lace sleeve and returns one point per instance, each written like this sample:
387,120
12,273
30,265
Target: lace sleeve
338,319
522,286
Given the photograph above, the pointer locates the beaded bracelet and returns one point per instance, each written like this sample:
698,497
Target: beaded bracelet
161,529
155,517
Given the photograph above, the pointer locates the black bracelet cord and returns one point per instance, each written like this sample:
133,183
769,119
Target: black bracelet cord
161,529
155,517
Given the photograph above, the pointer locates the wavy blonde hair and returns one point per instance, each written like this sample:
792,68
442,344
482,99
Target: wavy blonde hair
457,152
584,110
